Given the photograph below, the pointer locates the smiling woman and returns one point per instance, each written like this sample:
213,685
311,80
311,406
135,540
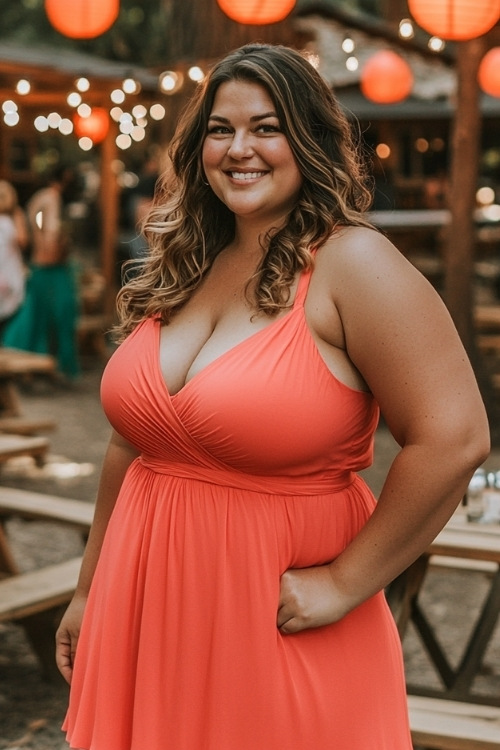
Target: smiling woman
231,593
246,157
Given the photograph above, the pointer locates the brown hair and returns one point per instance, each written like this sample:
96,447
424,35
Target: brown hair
188,225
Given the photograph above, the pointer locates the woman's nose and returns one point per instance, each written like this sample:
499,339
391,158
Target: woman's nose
240,146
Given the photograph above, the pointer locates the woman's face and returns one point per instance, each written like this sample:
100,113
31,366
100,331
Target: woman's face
247,158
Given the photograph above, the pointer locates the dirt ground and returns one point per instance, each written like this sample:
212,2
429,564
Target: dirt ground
31,709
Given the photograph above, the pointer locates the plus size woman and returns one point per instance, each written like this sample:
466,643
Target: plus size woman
231,594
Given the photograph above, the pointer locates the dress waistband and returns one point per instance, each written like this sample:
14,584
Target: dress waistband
272,485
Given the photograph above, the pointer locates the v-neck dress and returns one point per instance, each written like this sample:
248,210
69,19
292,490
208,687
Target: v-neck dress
250,469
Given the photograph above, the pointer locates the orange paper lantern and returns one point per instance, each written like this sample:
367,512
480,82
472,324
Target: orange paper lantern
257,12
82,19
386,78
95,126
456,20
489,72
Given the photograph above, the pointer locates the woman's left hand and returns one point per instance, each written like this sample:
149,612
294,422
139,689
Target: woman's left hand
308,599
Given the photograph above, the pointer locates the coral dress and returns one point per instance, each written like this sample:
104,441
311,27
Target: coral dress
247,471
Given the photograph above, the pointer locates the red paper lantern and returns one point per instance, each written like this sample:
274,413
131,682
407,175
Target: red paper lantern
82,19
489,72
256,12
386,78
456,20
95,126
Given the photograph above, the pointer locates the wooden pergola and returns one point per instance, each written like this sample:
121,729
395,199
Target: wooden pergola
52,74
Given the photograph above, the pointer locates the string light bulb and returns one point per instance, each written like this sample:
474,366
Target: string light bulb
130,86
196,74
82,84
436,44
23,87
170,81
74,99
406,30
348,45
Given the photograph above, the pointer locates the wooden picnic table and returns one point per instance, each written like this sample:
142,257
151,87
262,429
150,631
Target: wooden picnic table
467,546
15,363
18,432
32,598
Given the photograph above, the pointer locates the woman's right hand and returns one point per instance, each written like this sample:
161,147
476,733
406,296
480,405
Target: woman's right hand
67,636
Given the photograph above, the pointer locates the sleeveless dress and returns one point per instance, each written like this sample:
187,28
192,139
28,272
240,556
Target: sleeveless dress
249,470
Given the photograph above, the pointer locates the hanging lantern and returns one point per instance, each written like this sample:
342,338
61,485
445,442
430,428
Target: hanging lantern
455,20
489,72
82,19
256,12
95,126
386,78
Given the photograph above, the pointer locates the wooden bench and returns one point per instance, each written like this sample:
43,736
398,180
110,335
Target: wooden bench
36,591
36,505
25,425
456,563
439,724
12,446
34,598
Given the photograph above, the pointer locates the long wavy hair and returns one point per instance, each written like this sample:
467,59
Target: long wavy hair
188,225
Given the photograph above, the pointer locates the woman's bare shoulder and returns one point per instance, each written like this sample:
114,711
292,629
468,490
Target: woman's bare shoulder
357,244
360,258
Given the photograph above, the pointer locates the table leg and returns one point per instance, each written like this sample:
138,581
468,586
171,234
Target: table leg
479,639
10,405
458,682
402,592
8,565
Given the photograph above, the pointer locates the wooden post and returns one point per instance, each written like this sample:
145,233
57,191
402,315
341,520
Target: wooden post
109,216
459,247
460,243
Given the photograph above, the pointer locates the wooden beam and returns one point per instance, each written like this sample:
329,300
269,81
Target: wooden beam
53,98
109,214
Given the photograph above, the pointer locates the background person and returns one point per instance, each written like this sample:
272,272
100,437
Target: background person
231,594
13,241
46,322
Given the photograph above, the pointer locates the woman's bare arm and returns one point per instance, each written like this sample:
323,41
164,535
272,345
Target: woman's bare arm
399,336
119,456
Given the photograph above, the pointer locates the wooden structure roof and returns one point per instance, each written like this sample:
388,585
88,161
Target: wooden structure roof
52,74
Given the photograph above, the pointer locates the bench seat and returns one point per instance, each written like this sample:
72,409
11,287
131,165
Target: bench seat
25,425
451,725
29,593
37,505
12,446
456,563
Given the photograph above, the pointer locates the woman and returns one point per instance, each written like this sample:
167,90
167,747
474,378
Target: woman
46,322
237,599
13,241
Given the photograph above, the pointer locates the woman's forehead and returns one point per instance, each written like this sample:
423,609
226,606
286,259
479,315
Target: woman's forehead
242,96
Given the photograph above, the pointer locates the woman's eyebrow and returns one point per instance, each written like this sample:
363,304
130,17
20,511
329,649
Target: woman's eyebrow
254,118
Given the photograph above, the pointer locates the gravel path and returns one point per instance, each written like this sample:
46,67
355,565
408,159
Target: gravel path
31,710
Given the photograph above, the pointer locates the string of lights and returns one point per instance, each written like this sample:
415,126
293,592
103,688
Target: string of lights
385,78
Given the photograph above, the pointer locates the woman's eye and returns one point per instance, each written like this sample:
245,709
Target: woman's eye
218,130
266,128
